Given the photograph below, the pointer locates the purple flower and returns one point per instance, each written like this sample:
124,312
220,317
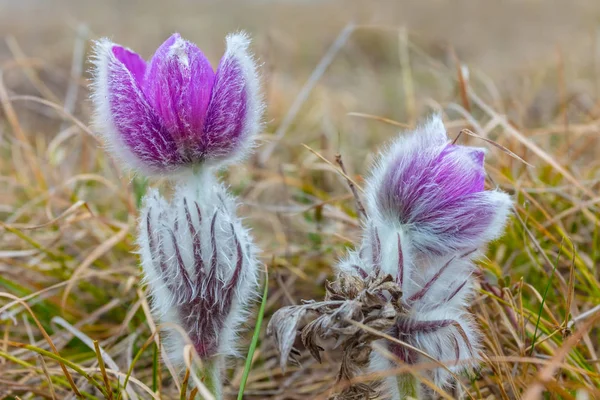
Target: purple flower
429,217
174,112
200,264
435,191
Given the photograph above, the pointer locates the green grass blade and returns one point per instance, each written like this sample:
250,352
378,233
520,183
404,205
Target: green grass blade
253,344
140,186
155,367
537,324
134,361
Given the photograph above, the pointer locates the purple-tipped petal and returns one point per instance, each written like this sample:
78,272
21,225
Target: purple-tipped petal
179,84
132,61
235,108
477,155
414,188
124,116
154,66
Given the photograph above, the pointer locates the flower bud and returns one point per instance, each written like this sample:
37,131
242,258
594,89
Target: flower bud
200,264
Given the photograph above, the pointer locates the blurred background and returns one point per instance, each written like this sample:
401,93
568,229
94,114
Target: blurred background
339,77
506,40
536,50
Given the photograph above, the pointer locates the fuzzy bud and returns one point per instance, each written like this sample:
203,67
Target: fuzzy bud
433,192
174,113
200,264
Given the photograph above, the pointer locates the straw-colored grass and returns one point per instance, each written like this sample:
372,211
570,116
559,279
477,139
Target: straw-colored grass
74,320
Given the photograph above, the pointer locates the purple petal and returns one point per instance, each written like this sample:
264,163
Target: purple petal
136,122
234,111
477,155
459,166
227,107
132,61
428,182
471,221
423,189
153,72
124,117
178,84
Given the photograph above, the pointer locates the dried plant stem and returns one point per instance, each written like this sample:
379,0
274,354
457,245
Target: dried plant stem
407,78
305,91
360,209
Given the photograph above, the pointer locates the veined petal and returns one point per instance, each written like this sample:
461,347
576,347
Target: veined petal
467,223
416,184
178,84
235,110
123,116
450,337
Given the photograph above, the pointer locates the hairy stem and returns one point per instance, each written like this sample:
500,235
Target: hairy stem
211,375
408,387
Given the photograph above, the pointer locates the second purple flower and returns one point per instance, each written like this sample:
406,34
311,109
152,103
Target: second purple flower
433,190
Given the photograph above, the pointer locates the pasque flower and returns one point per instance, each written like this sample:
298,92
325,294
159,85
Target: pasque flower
411,277
429,217
175,112
200,264
168,116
